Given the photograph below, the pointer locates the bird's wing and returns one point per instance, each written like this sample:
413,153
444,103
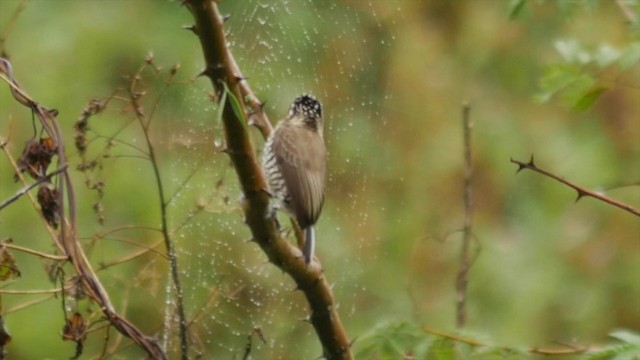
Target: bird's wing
302,158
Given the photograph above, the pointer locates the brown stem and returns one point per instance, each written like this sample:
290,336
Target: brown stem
582,192
222,69
43,255
465,264
145,123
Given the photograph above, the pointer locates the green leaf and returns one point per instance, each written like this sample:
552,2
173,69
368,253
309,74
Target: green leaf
587,99
516,7
235,105
393,341
613,352
606,55
572,51
8,267
443,350
627,350
573,92
630,56
422,349
498,352
626,336
555,78
223,101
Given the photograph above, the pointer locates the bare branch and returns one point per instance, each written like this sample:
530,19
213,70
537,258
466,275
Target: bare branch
465,264
582,192
33,252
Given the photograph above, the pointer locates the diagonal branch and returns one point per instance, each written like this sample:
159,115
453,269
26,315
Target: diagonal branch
26,189
223,72
627,11
582,192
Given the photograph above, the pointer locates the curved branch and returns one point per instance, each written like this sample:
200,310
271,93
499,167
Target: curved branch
222,70
69,242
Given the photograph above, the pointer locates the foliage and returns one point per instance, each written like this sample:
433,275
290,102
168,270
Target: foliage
586,71
573,78
627,347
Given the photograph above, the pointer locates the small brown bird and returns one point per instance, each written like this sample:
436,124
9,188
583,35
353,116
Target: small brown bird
295,163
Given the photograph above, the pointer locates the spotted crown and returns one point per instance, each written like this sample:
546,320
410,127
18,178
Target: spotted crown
307,106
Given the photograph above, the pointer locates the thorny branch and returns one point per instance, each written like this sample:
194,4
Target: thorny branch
67,240
582,192
223,71
256,115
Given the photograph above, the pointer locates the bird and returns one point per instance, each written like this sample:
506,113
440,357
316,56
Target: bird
294,160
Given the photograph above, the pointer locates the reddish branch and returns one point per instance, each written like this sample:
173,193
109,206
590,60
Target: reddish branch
582,192
67,240
222,70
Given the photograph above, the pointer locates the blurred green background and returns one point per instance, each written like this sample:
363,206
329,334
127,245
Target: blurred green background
392,76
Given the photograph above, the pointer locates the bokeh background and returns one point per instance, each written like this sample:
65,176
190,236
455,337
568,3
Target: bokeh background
392,76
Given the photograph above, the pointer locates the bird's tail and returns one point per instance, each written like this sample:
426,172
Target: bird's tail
309,243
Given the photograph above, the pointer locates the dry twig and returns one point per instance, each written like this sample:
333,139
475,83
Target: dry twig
465,263
145,123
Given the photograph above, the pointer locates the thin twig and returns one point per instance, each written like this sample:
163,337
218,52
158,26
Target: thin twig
145,123
34,252
582,192
184,182
10,23
33,292
627,11
465,264
129,257
25,190
146,248
25,304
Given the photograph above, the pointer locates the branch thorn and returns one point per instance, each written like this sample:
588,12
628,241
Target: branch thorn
191,28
